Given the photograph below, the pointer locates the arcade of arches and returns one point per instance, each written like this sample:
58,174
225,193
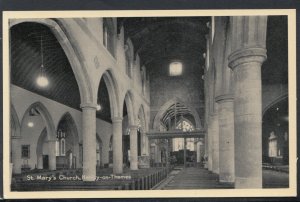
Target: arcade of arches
129,94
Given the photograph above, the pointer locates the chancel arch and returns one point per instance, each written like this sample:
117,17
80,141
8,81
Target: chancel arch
170,105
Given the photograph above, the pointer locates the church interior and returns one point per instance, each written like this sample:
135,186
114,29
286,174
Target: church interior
139,103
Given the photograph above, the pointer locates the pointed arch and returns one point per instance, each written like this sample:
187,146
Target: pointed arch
14,122
76,62
113,92
129,100
162,110
71,125
42,110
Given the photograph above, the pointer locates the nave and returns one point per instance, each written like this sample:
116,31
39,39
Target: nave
141,97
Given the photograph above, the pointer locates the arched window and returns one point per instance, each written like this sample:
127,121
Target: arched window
272,145
60,143
108,35
63,146
184,125
57,147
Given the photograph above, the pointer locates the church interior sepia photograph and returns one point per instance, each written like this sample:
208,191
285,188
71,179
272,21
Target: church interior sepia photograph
159,103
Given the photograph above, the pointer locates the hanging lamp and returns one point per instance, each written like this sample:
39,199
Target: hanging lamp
42,80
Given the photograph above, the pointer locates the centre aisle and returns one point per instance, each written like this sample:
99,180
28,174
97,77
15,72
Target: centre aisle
192,178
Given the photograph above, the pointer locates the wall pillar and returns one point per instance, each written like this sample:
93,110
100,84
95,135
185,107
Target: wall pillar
89,141
117,145
52,154
16,154
215,143
226,138
133,148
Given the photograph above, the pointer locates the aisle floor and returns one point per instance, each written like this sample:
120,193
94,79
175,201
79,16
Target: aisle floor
200,178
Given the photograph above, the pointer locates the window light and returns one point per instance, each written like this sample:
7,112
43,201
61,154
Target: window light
175,69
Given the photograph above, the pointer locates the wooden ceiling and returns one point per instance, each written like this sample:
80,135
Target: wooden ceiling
167,38
156,40
159,40
26,61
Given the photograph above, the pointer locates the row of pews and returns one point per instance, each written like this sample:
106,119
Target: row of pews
142,179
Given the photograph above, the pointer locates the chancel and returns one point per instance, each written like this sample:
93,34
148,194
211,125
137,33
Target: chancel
149,103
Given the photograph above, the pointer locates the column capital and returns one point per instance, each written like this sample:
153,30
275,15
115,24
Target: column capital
88,105
213,115
247,55
133,127
117,119
224,98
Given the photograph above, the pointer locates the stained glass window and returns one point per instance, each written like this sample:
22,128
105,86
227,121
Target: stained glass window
178,143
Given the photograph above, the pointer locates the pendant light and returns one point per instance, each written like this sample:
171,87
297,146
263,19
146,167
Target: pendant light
42,80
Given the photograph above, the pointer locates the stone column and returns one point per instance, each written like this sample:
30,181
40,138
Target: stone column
89,141
215,143
133,148
210,144
117,145
248,117
198,147
52,154
226,138
248,54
